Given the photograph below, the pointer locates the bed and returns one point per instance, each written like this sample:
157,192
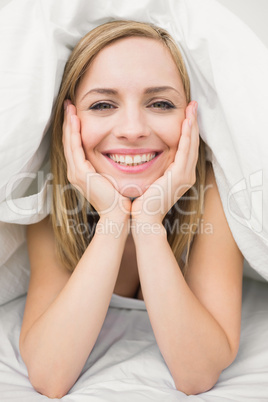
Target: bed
225,44
126,365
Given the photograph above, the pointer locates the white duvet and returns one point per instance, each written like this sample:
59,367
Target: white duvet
228,66
126,365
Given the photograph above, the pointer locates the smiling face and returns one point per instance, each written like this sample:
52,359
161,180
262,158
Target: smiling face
131,104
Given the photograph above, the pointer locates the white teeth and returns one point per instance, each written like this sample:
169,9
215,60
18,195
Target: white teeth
128,160
132,160
143,158
137,159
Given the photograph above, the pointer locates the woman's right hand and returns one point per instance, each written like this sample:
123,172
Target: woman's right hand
97,189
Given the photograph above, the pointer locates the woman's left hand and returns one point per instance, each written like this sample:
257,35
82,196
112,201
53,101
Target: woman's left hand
152,206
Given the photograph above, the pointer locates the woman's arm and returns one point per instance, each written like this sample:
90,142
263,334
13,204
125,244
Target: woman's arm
64,313
196,321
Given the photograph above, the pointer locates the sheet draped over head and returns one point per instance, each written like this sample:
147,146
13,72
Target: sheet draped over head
227,65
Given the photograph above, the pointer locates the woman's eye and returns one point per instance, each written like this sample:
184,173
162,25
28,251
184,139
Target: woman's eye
101,106
162,105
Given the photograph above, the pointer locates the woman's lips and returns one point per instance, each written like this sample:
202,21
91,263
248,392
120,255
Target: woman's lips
132,161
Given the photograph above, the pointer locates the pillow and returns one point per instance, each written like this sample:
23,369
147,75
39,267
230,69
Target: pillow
227,64
14,269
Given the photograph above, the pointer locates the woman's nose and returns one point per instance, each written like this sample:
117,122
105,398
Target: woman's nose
131,125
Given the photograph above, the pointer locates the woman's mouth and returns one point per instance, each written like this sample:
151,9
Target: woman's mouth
132,160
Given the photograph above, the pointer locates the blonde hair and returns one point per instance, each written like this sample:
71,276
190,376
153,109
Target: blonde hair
70,243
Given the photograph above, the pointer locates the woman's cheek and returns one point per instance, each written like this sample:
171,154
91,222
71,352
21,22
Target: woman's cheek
88,136
172,138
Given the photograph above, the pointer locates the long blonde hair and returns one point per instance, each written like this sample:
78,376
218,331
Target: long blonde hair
73,235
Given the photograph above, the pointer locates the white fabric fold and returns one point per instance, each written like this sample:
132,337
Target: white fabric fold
227,64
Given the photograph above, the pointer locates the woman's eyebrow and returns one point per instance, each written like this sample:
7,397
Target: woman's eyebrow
155,90
150,90
105,91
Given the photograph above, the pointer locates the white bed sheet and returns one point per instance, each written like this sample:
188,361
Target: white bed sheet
126,365
227,64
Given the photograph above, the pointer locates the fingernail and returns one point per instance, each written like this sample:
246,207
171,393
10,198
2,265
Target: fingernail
190,122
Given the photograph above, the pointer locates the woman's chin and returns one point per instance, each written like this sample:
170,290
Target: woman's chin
132,193
132,190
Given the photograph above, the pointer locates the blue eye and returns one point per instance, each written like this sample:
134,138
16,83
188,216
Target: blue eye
101,106
162,105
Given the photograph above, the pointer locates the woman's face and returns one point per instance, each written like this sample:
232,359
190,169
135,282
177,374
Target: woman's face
131,105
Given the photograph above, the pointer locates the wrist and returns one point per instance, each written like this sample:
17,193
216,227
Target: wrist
119,212
142,230
113,225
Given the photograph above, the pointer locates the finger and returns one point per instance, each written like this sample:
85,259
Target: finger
79,157
194,135
67,102
66,139
187,154
182,153
189,126
66,127
191,109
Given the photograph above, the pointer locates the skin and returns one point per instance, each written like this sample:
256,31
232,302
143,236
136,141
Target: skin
131,119
196,320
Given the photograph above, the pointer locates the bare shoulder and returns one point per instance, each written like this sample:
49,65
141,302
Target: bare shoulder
42,253
48,275
40,238
214,245
216,265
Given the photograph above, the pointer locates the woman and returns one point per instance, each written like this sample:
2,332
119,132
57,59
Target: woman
133,197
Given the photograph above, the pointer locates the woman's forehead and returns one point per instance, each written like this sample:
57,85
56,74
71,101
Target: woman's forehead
137,50
132,61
